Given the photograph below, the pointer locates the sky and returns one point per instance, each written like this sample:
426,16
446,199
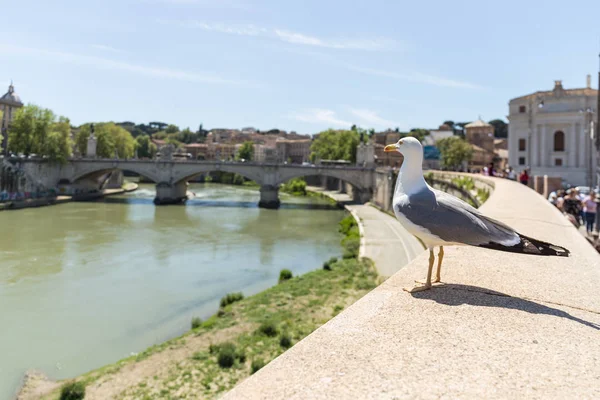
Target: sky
301,66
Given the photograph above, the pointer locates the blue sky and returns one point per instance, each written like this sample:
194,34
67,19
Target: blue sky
295,65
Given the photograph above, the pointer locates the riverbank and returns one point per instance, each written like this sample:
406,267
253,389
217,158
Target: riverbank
235,342
50,201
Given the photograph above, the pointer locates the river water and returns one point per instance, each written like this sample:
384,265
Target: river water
86,284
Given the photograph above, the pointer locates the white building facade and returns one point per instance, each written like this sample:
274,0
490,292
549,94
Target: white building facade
550,133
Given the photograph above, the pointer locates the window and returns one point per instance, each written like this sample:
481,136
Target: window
521,160
559,141
522,145
558,162
522,109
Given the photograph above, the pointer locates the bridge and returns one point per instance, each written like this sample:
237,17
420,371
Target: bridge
171,176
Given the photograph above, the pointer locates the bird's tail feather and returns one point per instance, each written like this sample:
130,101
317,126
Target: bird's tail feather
531,246
540,248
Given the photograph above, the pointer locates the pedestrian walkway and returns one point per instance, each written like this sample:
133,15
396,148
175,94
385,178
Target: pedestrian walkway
384,240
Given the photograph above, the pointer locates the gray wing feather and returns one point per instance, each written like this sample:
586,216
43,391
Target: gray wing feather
453,220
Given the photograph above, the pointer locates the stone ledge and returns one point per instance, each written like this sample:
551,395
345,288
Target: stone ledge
504,326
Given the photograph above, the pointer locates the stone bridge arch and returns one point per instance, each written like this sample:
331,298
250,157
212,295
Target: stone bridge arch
185,172
99,168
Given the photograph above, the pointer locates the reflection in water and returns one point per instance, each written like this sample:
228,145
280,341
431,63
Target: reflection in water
85,284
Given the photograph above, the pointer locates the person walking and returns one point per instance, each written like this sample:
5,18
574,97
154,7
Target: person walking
524,177
590,207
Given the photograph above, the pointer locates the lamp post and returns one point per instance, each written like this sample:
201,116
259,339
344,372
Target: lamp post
589,135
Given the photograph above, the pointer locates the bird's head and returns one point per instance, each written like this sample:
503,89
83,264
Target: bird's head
407,146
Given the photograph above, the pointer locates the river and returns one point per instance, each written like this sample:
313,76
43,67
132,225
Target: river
86,284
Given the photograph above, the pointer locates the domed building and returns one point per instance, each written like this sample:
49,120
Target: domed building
9,103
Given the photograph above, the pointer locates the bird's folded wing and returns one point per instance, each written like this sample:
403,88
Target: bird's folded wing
455,221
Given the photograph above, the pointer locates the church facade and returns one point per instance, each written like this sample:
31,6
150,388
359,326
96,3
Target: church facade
9,103
550,133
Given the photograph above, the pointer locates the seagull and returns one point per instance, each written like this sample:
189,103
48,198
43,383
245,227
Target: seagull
440,219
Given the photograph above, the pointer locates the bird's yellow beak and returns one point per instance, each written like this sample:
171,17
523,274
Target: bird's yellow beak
392,147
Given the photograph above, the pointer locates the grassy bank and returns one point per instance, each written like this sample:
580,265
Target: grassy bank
243,336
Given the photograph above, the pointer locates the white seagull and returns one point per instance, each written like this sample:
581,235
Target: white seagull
440,219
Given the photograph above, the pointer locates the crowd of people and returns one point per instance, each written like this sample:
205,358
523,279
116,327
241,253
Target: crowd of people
577,207
508,173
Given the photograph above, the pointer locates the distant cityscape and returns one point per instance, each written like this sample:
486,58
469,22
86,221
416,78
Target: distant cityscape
550,132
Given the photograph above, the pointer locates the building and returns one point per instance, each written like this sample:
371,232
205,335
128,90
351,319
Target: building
9,104
296,151
443,132
480,135
549,132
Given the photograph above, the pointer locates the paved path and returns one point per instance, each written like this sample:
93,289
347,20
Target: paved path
384,240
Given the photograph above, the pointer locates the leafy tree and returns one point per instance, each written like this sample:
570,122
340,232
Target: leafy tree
500,128
418,133
246,151
335,145
145,147
111,140
34,130
454,151
58,142
162,135
29,130
172,129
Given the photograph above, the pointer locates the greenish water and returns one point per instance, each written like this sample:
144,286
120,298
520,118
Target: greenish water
86,284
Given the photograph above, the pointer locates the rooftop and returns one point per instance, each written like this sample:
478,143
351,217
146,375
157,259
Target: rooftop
477,124
559,91
11,98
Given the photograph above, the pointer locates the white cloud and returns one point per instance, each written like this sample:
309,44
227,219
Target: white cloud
107,48
321,116
371,118
350,44
378,44
243,30
416,77
105,63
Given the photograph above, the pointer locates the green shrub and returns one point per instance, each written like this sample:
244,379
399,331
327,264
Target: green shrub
231,298
285,275
196,323
346,224
238,179
256,365
329,263
72,391
226,357
296,186
268,329
285,341
351,247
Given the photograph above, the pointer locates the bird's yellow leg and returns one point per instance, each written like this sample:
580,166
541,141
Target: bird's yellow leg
427,284
438,277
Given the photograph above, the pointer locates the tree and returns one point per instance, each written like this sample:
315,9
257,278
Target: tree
111,140
29,130
454,151
58,142
246,151
500,128
172,129
335,145
34,130
145,147
417,133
